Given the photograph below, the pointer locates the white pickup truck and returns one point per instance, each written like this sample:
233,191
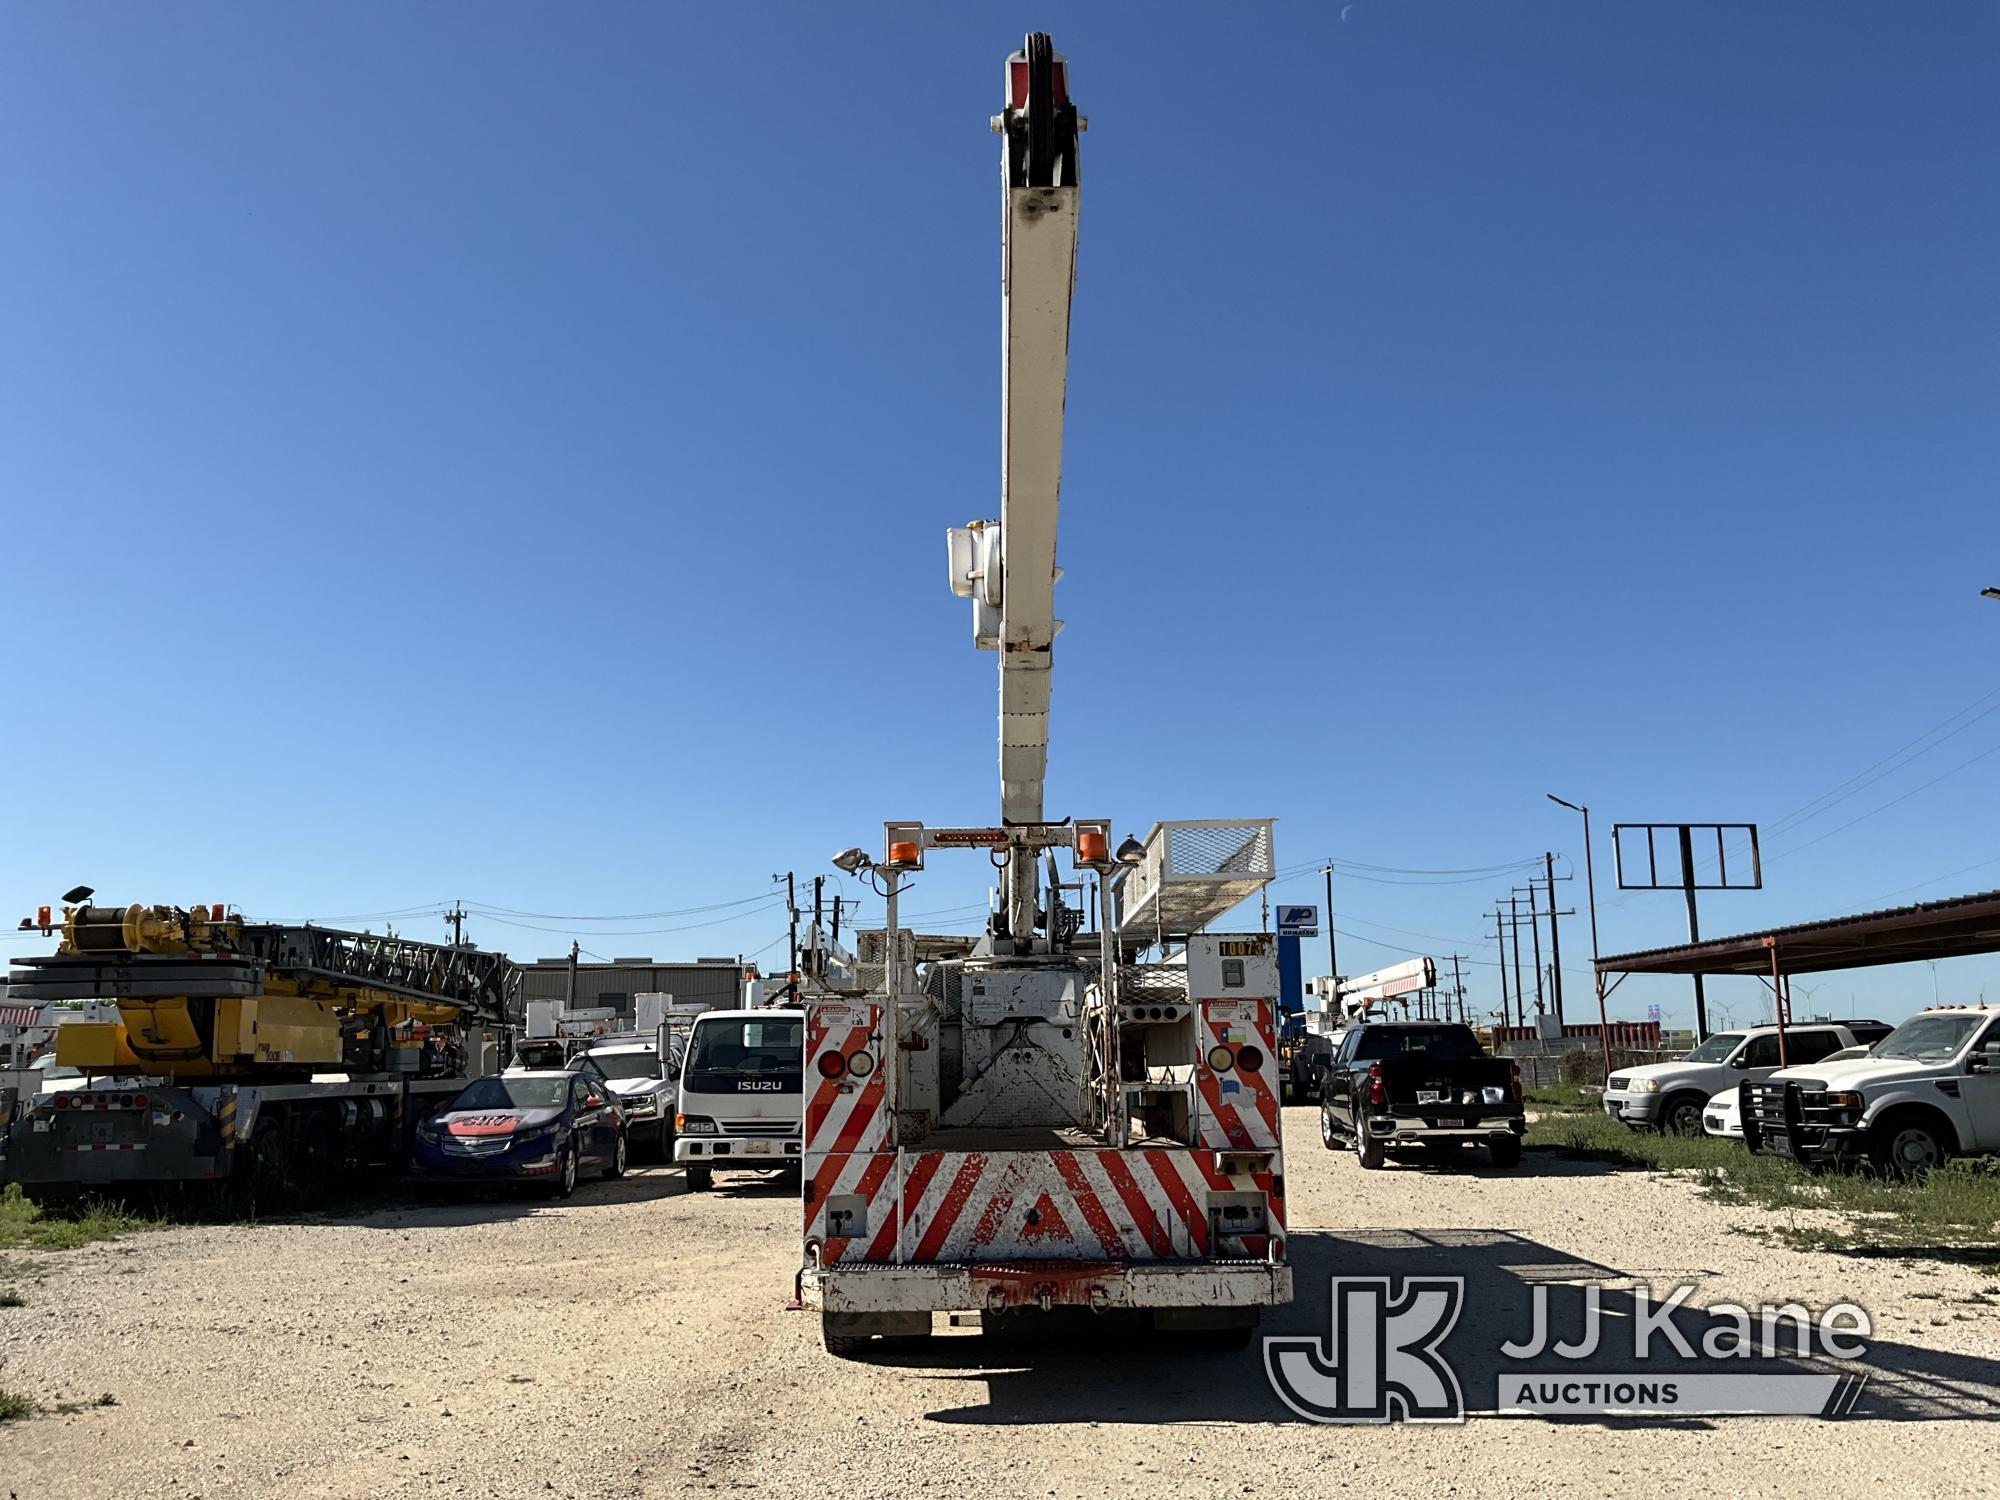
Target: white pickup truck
1669,1096
1928,1091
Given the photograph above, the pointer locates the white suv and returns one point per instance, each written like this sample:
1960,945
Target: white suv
1669,1096
1927,1091
646,1085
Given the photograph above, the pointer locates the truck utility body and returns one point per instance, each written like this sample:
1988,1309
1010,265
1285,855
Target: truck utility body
1420,1083
1034,1118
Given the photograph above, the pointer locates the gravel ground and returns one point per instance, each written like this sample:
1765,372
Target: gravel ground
632,1342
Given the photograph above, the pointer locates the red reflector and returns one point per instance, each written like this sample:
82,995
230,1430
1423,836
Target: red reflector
831,1065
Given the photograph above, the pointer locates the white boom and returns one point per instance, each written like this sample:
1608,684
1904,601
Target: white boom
1008,568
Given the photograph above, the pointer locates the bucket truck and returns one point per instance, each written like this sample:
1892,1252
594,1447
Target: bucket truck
1036,1120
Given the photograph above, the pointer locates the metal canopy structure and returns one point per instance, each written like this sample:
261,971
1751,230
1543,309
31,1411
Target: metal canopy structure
1957,927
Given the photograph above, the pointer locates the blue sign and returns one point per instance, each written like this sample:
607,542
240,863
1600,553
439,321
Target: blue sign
1298,921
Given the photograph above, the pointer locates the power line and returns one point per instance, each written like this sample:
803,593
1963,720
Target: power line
1962,765
630,916
776,899
1813,808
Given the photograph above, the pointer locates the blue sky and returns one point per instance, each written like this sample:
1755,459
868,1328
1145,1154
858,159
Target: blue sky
503,452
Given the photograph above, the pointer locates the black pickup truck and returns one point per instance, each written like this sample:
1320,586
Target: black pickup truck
1395,1084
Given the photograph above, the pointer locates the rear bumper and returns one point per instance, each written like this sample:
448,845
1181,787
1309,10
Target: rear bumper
1393,1129
1022,1284
36,1158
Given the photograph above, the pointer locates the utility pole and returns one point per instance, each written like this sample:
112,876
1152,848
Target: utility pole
792,913
1458,985
1520,994
1555,939
455,920
1535,938
569,999
836,919
1500,942
1332,955
819,918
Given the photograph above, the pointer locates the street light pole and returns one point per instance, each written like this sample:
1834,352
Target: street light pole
1590,886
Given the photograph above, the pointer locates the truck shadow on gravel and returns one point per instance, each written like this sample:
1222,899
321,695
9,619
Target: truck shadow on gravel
1123,1375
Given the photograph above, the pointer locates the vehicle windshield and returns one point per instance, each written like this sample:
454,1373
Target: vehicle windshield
48,1067
629,1064
1927,1038
1443,1042
512,1093
735,1049
539,1055
1717,1048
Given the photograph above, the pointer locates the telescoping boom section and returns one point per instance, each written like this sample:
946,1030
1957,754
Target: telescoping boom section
1035,1120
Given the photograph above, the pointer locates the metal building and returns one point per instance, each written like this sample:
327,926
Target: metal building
717,981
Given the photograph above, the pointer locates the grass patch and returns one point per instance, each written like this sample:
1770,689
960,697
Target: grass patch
1952,1213
12,1299
1560,1096
14,1406
27,1226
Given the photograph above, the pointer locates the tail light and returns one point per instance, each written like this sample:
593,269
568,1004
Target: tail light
831,1064
62,1101
138,1101
1516,1067
1377,1094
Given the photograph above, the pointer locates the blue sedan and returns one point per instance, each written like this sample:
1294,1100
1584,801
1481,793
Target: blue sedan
543,1127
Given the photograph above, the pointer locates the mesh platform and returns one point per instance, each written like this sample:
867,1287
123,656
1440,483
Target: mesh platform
1194,872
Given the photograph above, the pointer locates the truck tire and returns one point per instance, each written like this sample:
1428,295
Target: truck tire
615,1167
1329,1134
1680,1114
268,1162
700,1179
1369,1149
1909,1142
836,1332
1504,1151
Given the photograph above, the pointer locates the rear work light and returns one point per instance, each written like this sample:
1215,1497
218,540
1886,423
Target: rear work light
1377,1094
1221,1059
860,1064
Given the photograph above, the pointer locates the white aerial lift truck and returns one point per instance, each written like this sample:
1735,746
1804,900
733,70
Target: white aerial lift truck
1036,1120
